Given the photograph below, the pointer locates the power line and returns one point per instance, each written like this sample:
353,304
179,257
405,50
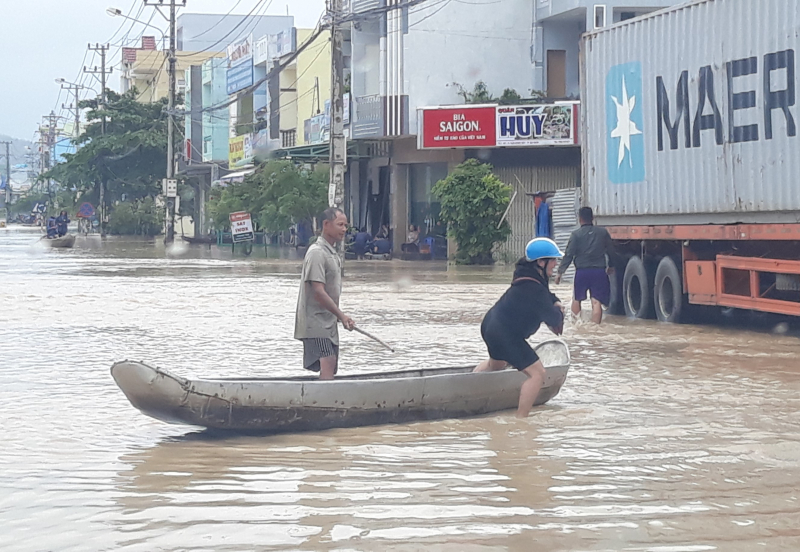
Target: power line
244,20
270,74
322,26
221,19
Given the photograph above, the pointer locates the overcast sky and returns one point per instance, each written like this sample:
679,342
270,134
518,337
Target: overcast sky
47,39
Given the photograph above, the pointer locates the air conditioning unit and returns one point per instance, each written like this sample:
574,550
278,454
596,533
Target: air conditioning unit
599,16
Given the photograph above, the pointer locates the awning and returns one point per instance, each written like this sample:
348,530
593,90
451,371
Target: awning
356,149
233,177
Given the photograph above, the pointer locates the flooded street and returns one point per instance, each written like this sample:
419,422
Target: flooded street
664,438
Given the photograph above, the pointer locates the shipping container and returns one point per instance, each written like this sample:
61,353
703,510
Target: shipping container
691,156
691,115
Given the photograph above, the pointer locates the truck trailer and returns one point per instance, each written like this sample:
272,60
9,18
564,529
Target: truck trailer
691,156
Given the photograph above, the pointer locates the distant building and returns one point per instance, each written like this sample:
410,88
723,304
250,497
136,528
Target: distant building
197,32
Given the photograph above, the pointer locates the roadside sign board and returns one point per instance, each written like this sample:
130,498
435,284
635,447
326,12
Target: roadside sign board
86,210
241,227
170,187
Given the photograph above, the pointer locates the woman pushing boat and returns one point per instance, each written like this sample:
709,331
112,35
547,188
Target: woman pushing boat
518,314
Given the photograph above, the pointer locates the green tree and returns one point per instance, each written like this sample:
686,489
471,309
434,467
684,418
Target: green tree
137,217
473,201
277,196
130,157
478,95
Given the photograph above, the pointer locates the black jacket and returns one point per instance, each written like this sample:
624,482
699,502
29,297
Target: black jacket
587,248
526,304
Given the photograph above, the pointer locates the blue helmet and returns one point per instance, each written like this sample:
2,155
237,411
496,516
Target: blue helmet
542,248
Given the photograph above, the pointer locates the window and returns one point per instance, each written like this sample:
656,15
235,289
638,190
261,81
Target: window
599,16
624,16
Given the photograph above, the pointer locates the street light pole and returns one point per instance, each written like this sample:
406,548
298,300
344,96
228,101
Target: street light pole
116,12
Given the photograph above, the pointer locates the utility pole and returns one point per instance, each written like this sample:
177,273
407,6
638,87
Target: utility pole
8,178
76,88
338,141
169,236
47,150
102,48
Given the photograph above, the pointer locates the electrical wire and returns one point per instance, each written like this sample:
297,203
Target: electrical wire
428,16
155,79
221,19
468,35
258,6
270,74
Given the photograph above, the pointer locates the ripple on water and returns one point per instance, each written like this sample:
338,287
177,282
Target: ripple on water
664,439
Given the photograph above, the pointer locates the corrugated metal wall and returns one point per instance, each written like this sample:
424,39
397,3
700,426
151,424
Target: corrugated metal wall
522,216
565,221
748,178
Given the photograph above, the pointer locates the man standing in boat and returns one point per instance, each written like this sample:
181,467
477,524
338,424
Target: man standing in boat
318,301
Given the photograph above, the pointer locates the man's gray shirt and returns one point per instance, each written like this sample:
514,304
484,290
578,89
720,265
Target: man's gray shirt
587,248
321,264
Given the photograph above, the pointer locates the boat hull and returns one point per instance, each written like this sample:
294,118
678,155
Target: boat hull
276,405
64,242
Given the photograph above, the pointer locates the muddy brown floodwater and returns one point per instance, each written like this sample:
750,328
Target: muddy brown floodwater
664,438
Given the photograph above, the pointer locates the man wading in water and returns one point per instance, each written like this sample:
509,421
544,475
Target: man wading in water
518,315
318,301
589,246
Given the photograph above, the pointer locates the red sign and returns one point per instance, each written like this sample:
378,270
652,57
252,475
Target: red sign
86,210
458,127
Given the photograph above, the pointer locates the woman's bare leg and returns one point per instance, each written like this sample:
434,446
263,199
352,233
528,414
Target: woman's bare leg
491,365
530,388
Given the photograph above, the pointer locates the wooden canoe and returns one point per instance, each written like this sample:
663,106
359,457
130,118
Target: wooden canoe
64,242
273,405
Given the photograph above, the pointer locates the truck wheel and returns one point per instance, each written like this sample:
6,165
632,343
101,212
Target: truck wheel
616,302
668,292
637,288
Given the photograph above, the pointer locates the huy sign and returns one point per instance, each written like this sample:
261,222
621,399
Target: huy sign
241,227
498,126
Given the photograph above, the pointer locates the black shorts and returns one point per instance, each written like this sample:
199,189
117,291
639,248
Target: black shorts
513,349
315,348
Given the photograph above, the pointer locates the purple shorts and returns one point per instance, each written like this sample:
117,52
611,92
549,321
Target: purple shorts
595,282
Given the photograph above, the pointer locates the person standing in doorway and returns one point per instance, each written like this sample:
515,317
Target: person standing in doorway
544,218
318,301
591,249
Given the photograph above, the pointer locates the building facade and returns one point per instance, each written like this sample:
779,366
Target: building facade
433,55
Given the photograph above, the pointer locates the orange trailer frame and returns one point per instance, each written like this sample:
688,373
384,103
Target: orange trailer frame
727,281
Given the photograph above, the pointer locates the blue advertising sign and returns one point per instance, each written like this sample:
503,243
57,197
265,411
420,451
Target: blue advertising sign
240,65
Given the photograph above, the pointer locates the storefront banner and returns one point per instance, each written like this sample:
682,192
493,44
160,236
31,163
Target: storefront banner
537,125
498,126
457,127
240,65
240,150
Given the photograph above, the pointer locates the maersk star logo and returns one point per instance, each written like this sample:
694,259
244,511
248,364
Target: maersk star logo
625,144
625,126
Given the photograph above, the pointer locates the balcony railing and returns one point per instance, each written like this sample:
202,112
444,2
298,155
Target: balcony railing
288,138
379,116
